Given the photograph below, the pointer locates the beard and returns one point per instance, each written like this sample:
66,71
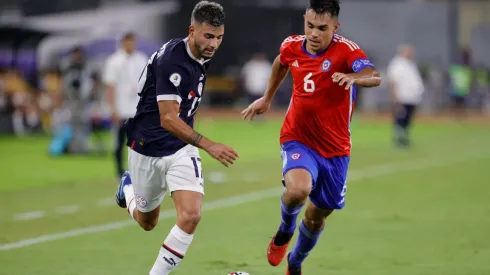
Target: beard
203,51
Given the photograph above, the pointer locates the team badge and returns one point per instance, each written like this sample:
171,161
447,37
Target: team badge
175,78
140,201
296,156
326,65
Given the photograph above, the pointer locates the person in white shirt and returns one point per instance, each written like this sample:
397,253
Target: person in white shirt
122,71
255,75
407,87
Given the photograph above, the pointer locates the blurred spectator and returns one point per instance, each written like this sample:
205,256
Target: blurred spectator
407,87
460,77
77,88
255,74
482,87
20,102
99,114
122,72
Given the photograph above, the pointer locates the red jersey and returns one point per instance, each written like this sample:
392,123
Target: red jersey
320,111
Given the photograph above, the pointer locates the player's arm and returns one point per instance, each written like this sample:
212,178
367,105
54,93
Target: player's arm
280,69
278,74
262,105
367,77
361,71
170,121
169,79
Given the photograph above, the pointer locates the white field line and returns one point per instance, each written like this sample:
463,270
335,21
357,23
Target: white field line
31,215
354,175
68,209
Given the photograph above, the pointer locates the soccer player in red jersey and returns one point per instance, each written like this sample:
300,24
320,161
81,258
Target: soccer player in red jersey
315,137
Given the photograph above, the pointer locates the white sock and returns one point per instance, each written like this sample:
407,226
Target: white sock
172,251
129,195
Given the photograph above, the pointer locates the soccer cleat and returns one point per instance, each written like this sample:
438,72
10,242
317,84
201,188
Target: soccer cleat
120,198
276,253
290,270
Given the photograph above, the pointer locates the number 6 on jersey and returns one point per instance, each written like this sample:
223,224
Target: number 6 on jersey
309,85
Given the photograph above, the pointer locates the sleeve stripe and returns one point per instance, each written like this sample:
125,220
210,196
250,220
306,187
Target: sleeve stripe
352,46
169,97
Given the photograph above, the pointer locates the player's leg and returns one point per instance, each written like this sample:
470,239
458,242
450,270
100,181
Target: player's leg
185,182
310,229
300,171
327,195
142,189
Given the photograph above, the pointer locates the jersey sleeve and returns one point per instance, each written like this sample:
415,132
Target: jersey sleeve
170,79
285,51
357,60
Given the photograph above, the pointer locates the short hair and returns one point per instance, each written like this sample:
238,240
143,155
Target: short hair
210,13
77,49
128,35
332,7
402,47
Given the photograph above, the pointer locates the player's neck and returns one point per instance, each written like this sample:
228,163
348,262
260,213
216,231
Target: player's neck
316,52
192,50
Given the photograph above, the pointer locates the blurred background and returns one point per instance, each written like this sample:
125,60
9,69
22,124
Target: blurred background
57,139
37,36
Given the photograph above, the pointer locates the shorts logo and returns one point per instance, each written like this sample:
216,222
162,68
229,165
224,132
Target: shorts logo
140,201
326,65
295,156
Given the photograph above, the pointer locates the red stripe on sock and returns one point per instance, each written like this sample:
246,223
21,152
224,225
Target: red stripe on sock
173,251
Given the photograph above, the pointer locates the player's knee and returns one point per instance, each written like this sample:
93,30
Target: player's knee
298,185
190,218
298,191
148,222
149,226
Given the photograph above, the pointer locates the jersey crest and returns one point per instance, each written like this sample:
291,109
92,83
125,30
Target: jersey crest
326,65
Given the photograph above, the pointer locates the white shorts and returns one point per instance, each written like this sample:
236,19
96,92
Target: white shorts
151,176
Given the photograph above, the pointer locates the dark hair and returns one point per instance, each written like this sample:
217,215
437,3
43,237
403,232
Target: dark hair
128,35
210,13
77,49
331,7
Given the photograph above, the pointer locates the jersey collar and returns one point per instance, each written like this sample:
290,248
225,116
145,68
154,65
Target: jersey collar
188,49
303,47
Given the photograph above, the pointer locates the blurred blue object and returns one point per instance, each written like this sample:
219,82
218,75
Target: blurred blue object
61,139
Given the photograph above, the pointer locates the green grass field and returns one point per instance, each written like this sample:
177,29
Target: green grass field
422,211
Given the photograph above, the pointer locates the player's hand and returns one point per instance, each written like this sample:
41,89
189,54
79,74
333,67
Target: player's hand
342,79
258,107
223,153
